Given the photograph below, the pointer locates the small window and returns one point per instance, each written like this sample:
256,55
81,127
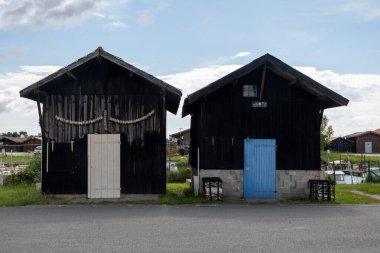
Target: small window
250,90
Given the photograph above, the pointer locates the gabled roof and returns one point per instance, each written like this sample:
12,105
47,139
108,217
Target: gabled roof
179,134
13,139
340,138
357,134
173,95
354,134
328,97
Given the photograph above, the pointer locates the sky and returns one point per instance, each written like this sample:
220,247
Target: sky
190,44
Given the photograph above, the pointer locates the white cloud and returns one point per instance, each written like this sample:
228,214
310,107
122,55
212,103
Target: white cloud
241,54
17,113
363,91
145,19
39,13
43,70
118,24
162,5
188,82
196,78
11,53
366,9
362,113
147,16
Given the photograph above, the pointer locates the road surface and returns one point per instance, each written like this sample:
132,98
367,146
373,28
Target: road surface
152,228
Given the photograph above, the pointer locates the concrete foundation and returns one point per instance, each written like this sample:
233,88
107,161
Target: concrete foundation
295,183
289,183
232,181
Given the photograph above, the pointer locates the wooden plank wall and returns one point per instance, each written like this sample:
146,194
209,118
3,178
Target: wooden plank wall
225,118
124,96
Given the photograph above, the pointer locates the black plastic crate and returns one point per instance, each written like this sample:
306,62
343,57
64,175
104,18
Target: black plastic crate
212,188
322,190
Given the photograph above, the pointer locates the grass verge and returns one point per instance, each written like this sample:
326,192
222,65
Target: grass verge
367,187
179,160
354,158
17,159
23,195
344,196
182,193
179,193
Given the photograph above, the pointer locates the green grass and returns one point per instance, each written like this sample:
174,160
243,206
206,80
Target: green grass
17,159
367,187
178,159
177,187
334,156
179,193
23,195
344,196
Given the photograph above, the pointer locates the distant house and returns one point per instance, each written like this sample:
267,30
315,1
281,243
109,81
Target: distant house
342,144
365,142
181,138
11,144
19,144
258,129
31,143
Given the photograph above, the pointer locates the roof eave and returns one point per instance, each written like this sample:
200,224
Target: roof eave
171,92
332,99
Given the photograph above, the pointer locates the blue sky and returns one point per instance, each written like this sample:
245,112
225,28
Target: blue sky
192,43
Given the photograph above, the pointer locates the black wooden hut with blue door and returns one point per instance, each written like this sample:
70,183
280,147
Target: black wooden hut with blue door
258,128
342,144
103,125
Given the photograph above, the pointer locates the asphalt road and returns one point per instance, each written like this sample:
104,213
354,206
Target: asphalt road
149,228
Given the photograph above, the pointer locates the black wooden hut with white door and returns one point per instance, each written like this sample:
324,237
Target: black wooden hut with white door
258,129
103,125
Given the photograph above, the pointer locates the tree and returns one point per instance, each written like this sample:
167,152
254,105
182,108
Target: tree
15,134
23,133
326,132
10,134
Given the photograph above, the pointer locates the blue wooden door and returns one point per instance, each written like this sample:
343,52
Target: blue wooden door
340,147
260,168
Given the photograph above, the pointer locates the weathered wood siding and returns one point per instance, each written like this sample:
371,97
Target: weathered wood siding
224,118
102,86
370,137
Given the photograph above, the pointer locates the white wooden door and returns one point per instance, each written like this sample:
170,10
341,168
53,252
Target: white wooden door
368,146
103,166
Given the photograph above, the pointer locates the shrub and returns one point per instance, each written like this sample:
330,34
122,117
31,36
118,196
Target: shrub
189,191
372,178
178,176
330,178
29,175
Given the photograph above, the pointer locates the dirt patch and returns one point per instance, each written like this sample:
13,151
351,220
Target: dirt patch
375,196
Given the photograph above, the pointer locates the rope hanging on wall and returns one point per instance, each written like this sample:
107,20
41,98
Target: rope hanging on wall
78,123
126,122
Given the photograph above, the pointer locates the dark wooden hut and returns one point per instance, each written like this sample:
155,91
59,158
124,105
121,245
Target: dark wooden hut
31,143
103,126
264,117
11,144
342,144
